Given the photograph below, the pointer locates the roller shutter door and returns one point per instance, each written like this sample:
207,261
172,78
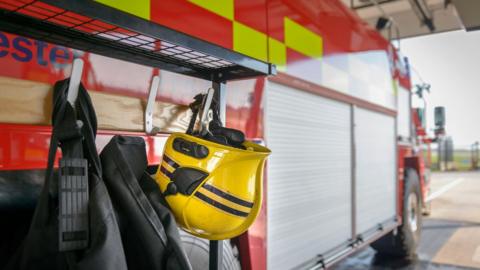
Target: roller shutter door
309,175
403,112
375,168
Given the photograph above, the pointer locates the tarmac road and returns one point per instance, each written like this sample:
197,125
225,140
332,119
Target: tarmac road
451,234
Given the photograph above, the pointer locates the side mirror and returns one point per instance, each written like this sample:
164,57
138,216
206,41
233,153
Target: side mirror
439,117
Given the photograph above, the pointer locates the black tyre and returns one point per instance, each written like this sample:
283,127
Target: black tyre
197,252
404,241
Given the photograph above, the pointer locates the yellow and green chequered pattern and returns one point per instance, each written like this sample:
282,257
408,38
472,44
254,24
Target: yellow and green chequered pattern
246,40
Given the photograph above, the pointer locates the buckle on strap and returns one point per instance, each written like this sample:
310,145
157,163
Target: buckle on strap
73,204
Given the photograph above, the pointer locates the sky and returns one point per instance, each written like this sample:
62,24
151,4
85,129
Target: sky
450,62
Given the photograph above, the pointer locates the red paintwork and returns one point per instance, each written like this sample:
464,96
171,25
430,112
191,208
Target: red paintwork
420,130
402,71
253,244
327,19
420,163
254,125
403,151
408,158
193,20
100,73
417,163
25,147
252,13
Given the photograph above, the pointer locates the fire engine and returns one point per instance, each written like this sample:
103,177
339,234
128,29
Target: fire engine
346,169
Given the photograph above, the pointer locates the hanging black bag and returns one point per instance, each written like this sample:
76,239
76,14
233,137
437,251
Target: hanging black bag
149,232
95,243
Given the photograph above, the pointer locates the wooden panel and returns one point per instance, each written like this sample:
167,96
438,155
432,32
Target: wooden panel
28,102
25,102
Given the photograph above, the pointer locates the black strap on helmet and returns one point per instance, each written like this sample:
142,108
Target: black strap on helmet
218,133
195,108
185,180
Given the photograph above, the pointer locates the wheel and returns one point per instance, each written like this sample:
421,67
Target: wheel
404,241
197,252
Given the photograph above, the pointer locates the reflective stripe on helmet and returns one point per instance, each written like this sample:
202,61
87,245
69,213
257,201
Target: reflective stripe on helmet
170,162
223,201
166,172
212,195
220,206
228,196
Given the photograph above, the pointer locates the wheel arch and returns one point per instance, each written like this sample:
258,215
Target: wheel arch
416,164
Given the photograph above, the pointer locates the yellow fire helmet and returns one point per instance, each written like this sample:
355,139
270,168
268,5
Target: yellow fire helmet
214,190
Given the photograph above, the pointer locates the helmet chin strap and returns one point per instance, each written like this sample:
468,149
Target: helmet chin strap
205,105
210,127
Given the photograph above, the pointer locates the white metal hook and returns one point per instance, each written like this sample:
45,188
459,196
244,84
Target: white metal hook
204,119
75,78
149,128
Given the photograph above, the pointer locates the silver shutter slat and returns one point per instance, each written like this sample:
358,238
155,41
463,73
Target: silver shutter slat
403,112
375,171
309,172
